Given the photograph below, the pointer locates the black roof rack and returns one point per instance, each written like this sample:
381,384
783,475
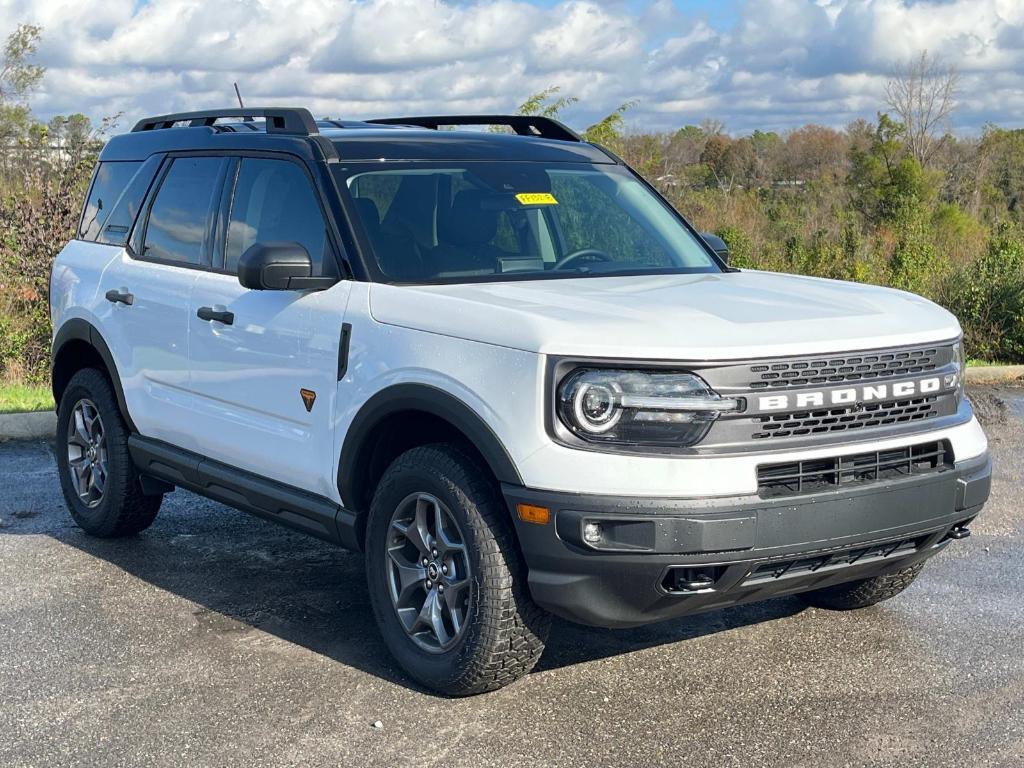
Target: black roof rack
524,125
290,121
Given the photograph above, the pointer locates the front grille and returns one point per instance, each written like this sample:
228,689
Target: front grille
811,475
827,561
843,419
839,370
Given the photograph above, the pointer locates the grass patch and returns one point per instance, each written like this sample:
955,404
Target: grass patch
984,364
19,398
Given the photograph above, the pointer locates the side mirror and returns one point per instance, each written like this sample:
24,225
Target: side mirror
279,267
717,245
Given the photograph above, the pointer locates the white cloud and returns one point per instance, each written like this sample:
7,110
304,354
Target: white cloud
783,62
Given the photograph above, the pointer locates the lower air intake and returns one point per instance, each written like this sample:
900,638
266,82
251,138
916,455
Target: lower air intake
813,475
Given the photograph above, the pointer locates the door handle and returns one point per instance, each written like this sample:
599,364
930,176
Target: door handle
210,314
120,297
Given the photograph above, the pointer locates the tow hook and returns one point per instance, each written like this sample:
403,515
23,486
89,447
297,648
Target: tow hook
959,532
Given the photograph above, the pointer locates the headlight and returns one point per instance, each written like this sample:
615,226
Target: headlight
960,359
639,407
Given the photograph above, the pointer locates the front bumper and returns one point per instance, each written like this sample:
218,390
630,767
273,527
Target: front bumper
663,558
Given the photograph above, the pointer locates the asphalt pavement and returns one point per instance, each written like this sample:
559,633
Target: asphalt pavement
216,639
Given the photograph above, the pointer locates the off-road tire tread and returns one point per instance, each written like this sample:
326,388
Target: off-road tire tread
863,593
507,638
130,511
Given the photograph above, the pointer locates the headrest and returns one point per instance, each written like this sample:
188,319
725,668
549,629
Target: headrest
469,222
368,212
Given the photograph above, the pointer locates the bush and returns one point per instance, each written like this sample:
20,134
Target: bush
35,223
988,297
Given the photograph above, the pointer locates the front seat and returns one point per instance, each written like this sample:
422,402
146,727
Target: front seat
464,235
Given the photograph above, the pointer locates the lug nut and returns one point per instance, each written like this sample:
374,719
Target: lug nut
440,588
444,569
425,562
434,553
429,584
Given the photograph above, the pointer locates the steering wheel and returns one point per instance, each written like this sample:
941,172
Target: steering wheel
592,253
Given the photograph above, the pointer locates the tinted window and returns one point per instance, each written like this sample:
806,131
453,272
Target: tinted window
179,219
429,222
274,202
119,222
110,181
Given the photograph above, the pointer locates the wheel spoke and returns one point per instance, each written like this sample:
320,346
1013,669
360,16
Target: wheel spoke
410,577
419,530
99,479
435,618
85,481
454,592
81,433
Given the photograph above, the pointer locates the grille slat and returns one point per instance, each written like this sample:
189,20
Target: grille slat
810,475
821,421
797,373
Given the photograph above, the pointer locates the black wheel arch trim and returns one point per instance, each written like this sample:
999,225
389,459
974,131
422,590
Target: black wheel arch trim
77,329
427,399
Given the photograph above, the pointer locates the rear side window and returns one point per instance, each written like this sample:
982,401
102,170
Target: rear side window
275,202
111,180
119,221
179,219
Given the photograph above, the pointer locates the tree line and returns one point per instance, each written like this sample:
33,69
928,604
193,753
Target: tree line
899,200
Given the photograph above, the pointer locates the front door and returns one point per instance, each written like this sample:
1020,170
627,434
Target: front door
264,363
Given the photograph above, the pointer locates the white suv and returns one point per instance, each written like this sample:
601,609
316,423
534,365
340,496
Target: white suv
502,366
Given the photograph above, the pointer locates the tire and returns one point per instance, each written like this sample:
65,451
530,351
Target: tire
119,508
863,593
501,632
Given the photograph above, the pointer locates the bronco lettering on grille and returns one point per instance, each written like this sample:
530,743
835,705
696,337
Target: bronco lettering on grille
849,395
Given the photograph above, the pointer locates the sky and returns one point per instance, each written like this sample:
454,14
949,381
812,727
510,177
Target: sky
766,64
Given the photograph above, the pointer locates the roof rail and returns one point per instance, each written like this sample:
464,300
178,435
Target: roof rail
291,121
524,125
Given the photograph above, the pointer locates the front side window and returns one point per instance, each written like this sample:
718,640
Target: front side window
275,202
180,217
486,221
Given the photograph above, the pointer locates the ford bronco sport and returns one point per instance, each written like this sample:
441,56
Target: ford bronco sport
502,366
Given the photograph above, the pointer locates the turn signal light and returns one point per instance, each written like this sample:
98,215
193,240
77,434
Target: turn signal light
529,513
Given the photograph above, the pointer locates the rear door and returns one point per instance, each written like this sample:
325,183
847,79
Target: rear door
146,293
264,375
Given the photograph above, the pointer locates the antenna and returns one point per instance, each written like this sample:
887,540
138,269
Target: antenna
239,95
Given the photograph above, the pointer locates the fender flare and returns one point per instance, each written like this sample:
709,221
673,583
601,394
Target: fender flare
77,329
427,399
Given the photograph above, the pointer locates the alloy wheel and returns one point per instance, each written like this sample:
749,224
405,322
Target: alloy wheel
87,453
428,572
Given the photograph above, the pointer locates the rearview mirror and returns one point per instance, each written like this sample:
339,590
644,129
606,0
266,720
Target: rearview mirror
282,266
717,245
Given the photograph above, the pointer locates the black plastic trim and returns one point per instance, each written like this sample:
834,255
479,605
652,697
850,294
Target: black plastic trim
343,346
288,121
619,582
426,399
260,496
524,125
82,330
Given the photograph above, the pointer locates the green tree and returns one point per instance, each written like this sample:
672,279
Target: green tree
18,75
885,178
609,130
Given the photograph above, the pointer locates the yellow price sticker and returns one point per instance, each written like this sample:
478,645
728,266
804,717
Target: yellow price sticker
536,198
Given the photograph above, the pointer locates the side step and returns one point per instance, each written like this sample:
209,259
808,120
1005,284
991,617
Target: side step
297,509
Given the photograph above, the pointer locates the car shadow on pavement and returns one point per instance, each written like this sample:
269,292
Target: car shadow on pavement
242,574
314,595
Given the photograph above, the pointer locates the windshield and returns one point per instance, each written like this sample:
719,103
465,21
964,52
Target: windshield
488,221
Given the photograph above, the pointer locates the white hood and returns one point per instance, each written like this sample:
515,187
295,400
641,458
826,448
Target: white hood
727,316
